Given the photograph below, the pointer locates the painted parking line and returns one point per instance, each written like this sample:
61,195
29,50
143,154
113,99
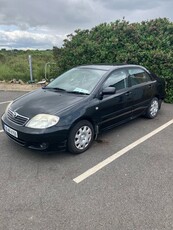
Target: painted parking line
5,102
1,131
116,155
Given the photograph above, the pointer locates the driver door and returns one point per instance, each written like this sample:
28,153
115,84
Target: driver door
116,108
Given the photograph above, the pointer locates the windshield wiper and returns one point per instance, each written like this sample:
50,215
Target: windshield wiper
55,88
78,92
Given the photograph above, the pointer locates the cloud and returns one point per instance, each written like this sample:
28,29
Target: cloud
52,14
23,40
132,5
70,14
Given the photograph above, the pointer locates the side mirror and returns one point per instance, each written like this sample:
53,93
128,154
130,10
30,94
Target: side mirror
109,91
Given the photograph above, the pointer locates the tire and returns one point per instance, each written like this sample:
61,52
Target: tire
153,108
81,137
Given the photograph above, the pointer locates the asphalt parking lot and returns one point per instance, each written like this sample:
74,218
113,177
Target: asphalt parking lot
38,190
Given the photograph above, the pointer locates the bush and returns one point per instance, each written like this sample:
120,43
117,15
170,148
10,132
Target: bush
149,43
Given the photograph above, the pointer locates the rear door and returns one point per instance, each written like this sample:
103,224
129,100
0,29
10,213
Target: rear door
142,89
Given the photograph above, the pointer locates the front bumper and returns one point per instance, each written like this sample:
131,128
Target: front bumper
37,138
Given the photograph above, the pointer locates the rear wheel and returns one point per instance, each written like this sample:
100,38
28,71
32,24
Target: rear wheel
81,137
153,108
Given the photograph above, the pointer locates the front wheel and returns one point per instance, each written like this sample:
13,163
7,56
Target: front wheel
153,108
81,137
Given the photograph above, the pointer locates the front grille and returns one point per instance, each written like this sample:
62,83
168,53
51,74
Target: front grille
16,118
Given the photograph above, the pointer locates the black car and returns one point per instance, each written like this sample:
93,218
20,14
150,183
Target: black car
74,108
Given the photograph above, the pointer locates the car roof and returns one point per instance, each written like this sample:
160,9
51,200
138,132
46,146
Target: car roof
108,67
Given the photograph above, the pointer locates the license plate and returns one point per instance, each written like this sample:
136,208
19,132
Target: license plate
11,131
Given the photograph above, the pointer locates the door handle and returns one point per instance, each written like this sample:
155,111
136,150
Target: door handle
149,86
128,93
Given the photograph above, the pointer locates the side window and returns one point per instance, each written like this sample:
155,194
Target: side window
138,76
117,79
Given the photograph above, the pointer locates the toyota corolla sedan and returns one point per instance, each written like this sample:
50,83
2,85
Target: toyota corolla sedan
74,108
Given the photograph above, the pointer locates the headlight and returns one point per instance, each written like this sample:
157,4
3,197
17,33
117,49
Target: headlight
42,121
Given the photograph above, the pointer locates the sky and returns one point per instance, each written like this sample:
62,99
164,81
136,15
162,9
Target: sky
42,24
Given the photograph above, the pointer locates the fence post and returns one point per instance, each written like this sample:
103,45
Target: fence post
30,67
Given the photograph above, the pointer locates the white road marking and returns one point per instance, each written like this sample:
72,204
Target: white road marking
1,131
110,159
5,102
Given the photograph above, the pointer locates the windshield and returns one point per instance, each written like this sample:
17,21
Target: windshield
77,80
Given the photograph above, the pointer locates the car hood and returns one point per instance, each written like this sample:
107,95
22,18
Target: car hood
45,101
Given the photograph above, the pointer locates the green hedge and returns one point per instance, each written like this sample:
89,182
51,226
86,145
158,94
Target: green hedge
149,43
